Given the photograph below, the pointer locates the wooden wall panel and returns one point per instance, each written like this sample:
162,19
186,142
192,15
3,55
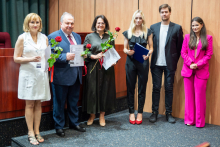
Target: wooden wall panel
120,76
82,10
209,12
53,16
180,14
118,13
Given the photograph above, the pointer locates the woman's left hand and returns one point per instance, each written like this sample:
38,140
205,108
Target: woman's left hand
145,57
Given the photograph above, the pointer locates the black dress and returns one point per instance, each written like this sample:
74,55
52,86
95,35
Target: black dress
99,92
133,69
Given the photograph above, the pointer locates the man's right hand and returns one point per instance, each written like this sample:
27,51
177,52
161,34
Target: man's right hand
70,56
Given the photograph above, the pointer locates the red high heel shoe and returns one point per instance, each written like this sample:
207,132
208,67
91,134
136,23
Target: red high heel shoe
138,122
132,121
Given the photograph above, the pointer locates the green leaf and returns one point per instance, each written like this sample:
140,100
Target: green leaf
83,53
58,52
102,45
53,60
50,64
105,47
52,41
56,56
110,33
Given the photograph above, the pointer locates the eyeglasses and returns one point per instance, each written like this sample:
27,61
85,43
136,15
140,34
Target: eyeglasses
100,23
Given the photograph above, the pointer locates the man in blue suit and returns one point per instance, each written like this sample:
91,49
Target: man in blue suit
66,79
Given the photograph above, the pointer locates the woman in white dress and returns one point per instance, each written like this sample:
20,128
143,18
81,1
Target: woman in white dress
33,84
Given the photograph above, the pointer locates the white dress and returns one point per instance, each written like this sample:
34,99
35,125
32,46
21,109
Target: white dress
33,83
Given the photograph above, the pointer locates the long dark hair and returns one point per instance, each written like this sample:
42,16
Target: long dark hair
203,36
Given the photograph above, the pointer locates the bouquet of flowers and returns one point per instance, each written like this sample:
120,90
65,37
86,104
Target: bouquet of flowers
57,51
105,46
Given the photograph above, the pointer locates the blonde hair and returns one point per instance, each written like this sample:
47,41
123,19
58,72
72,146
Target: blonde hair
132,25
28,18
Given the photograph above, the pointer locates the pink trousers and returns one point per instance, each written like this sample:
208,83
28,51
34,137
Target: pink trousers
195,101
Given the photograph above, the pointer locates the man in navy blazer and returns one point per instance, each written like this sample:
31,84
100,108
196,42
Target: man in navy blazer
167,43
66,79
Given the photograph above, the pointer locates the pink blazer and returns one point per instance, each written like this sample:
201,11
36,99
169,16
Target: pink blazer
202,58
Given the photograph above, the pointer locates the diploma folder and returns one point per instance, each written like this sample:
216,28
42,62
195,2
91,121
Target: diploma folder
139,52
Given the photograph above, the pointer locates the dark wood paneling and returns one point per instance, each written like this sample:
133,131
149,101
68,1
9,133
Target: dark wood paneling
8,85
6,51
19,113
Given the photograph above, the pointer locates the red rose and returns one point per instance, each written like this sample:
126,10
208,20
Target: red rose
58,39
88,46
117,29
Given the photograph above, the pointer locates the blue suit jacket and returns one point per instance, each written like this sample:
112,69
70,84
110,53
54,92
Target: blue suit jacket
63,73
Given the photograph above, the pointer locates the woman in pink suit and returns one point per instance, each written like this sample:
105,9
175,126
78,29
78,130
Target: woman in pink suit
196,52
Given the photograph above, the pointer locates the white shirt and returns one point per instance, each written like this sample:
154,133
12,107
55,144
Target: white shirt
161,59
72,37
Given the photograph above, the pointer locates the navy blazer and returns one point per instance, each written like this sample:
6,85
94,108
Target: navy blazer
63,73
173,44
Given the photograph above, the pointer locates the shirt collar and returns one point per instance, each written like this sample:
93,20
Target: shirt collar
67,34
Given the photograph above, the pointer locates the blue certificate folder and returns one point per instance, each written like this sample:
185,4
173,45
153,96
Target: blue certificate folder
139,52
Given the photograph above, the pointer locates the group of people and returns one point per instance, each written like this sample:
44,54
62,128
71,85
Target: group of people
165,41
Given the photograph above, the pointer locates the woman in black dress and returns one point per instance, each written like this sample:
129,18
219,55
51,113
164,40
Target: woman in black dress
137,33
99,92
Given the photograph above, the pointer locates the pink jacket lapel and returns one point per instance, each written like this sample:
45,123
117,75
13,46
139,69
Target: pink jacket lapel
198,48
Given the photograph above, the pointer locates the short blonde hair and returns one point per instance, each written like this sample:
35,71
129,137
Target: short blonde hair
28,18
132,25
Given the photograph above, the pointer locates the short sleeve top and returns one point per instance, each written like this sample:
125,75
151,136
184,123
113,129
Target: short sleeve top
133,40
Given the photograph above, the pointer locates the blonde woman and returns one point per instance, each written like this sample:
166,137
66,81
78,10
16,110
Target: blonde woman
33,86
137,33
